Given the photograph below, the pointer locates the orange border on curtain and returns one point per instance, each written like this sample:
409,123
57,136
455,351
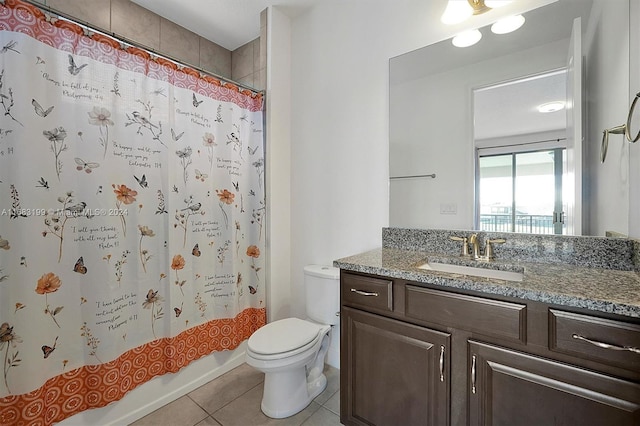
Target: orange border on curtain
94,386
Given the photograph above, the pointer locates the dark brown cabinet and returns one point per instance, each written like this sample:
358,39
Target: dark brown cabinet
418,354
512,388
398,373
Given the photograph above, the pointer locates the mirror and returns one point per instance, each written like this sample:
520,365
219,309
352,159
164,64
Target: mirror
431,114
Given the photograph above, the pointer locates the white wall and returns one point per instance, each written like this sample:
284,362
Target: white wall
339,170
278,164
607,76
431,137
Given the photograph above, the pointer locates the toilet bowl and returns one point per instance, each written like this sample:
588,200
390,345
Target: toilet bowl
291,351
293,368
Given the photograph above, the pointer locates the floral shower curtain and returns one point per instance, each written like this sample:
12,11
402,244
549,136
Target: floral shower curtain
131,216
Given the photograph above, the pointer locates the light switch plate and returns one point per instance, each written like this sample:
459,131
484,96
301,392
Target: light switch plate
448,208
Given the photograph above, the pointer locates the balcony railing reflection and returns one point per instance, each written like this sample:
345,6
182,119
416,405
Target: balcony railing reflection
525,223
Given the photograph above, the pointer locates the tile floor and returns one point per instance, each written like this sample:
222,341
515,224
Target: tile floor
234,399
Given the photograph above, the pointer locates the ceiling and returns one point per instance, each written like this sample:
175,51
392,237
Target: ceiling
229,23
511,109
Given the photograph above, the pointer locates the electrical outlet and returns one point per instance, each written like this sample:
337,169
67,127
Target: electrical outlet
448,208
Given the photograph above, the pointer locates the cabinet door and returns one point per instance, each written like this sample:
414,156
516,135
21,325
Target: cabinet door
392,373
511,388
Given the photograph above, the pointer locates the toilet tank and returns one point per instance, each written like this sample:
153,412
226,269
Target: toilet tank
322,288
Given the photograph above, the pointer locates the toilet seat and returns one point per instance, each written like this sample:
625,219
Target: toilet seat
285,338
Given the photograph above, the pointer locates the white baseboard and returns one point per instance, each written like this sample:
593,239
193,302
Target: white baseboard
161,390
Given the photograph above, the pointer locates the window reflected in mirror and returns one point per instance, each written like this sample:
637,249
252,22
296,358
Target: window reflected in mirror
520,141
522,192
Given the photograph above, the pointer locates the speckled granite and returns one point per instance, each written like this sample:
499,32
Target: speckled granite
563,273
596,252
598,289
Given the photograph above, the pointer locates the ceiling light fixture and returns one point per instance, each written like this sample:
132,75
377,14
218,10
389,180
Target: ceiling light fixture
508,24
467,38
551,106
459,10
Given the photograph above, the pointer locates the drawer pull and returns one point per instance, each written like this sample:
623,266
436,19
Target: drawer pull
606,345
364,293
442,363
473,374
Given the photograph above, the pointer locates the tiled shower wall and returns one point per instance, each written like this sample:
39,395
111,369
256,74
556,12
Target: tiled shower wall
245,65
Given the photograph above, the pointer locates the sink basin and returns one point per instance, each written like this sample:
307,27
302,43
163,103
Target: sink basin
471,270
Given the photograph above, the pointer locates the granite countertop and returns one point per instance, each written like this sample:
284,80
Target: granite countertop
597,289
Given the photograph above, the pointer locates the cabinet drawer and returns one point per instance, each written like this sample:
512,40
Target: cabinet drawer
367,292
609,341
486,316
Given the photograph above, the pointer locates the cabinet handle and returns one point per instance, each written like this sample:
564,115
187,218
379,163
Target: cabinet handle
606,345
442,363
363,293
473,374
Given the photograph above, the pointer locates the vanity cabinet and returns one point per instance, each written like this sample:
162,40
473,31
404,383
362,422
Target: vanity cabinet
398,373
418,354
513,388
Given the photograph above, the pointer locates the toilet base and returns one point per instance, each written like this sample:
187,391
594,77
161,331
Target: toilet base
278,405
287,391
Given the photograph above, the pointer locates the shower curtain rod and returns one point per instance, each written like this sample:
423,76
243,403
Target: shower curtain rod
132,43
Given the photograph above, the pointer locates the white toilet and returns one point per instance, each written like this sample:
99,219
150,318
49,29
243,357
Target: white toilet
291,351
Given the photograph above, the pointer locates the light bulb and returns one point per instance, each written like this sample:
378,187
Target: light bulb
456,12
467,38
508,24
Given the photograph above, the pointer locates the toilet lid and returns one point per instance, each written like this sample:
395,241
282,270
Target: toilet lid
283,336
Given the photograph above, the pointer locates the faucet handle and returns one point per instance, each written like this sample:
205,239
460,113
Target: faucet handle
497,241
488,255
465,245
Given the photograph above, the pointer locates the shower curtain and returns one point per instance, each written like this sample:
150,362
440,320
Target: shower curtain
131,219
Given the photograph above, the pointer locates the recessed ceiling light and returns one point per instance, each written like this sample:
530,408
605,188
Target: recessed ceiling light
467,38
508,24
551,106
